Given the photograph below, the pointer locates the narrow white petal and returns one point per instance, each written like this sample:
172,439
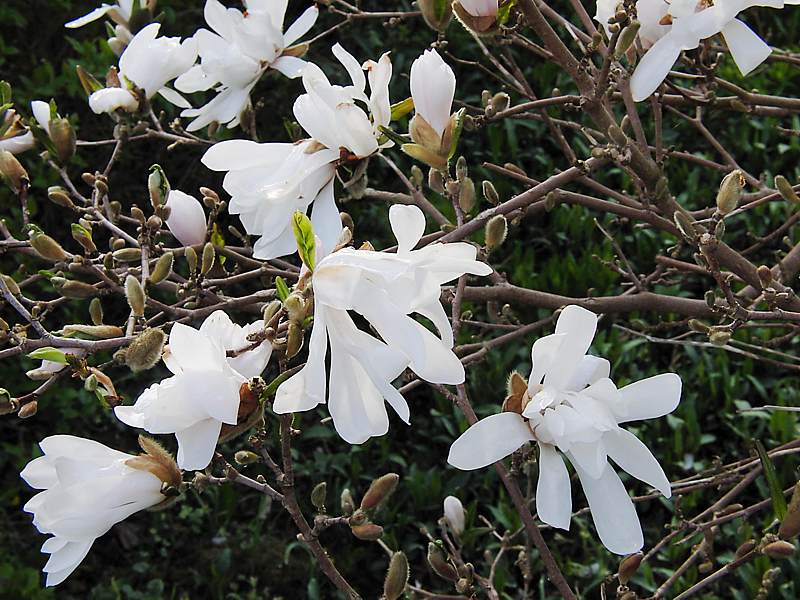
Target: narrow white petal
746,47
301,26
196,444
408,225
654,68
553,490
579,326
489,440
633,456
649,398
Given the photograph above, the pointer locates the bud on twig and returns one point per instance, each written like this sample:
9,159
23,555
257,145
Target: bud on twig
47,247
28,410
490,192
294,340
437,13
435,180
158,186
764,276
628,567
63,136
77,290
380,489
368,532
396,577
163,267
58,195
245,457
730,191
347,503
135,295
466,195
318,495
12,172
145,351
10,284
495,231
191,259
439,563
626,39
786,190
790,526
779,549
209,255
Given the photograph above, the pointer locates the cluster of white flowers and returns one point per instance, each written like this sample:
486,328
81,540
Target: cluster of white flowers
668,28
569,404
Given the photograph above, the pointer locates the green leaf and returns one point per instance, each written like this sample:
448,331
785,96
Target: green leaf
459,126
5,92
80,231
775,489
281,288
304,234
49,353
395,137
504,12
219,242
402,108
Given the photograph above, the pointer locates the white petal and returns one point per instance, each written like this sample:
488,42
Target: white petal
75,553
454,514
187,219
654,68
108,100
41,112
489,440
94,15
174,97
301,26
649,398
590,456
612,510
544,356
590,369
408,225
553,490
194,351
746,47
196,444
350,63
633,456
325,218
579,326
433,86
290,66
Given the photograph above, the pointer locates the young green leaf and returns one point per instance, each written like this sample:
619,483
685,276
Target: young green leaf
49,353
775,489
304,234
281,288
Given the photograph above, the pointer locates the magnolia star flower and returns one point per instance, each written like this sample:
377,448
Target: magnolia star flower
87,488
571,405
147,64
203,392
240,49
692,21
187,219
14,136
385,289
120,13
454,514
269,182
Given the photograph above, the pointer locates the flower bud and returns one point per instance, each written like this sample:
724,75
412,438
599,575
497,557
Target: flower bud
745,548
466,195
271,309
134,292
786,190
187,219
157,186
99,332
482,21
439,563
454,514
77,290
63,136
416,176
626,39
12,172
437,13
128,255
318,495
96,311
26,411
7,403
294,340
347,503
368,532
719,338
145,351
12,285
209,255
47,247
628,567
435,181
495,231
58,195
790,526
83,236
500,101
396,577
685,226
730,191
764,276
245,457
163,267
490,192
191,259
380,489
777,549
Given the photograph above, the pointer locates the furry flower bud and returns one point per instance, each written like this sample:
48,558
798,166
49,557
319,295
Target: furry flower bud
134,292
145,351
380,489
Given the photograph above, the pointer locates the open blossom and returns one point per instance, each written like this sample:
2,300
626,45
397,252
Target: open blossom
454,514
269,182
87,488
690,22
385,289
571,405
241,47
148,63
203,392
187,219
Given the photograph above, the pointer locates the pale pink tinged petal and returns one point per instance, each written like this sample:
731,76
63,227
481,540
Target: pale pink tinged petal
579,326
553,490
94,15
489,440
41,112
408,225
174,97
196,444
110,99
544,356
39,473
290,66
590,369
194,351
301,26
325,218
612,510
187,219
633,456
654,67
77,551
649,398
352,67
746,47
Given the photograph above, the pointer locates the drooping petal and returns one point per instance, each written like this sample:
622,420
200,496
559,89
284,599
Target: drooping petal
94,15
649,398
553,490
197,443
301,26
654,68
634,457
489,440
746,47
408,225
63,562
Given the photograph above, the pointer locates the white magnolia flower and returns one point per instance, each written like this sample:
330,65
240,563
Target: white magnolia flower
385,289
344,116
148,63
120,12
269,182
480,8
692,21
574,407
203,392
14,136
187,219
87,488
241,47
454,514
433,86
